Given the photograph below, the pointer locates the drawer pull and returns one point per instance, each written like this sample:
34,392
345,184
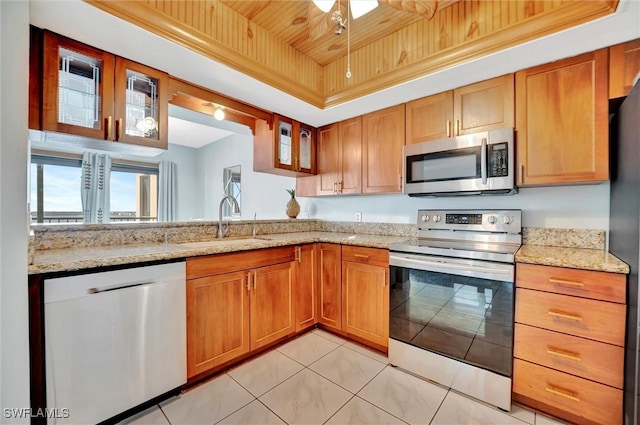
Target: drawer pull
562,392
565,282
564,354
565,315
366,257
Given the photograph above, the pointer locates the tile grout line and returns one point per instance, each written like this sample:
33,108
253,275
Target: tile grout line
440,406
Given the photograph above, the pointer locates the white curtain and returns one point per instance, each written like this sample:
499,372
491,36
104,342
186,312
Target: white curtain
167,191
96,173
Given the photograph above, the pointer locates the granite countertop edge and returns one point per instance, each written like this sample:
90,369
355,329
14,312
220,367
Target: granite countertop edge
74,259
575,258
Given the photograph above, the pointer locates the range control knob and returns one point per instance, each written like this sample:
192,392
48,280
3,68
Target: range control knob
492,219
506,219
424,218
436,218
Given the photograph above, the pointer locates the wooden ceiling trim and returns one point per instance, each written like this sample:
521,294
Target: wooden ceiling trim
404,56
227,37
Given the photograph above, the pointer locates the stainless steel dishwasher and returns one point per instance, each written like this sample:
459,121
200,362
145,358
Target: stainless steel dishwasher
114,340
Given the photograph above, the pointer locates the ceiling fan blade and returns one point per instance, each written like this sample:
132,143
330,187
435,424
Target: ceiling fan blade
360,7
425,8
324,5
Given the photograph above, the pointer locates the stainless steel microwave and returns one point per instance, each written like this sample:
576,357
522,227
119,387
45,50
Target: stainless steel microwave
473,164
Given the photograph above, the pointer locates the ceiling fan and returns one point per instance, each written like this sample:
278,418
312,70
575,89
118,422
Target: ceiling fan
320,21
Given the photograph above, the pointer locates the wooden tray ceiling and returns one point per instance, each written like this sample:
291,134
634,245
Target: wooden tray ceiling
269,40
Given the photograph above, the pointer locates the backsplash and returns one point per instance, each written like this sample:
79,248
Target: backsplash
567,238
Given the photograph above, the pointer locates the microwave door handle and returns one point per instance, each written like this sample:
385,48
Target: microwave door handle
483,160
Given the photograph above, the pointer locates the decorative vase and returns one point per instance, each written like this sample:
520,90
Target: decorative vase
293,208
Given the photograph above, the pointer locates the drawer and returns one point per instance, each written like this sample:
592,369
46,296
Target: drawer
374,256
583,398
598,320
580,283
211,265
588,359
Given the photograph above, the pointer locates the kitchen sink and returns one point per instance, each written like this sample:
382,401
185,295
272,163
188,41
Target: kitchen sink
217,242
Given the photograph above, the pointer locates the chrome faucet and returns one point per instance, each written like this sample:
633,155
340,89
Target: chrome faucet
236,209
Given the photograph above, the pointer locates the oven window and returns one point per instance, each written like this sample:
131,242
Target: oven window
466,318
455,165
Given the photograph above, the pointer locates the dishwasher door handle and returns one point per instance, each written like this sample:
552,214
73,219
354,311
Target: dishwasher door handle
92,291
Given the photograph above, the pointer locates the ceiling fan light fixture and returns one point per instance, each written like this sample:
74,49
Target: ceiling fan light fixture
325,5
361,7
219,114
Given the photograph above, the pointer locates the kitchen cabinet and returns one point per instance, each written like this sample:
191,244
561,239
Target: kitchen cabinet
569,342
382,143
624,65
481,106
562,121
306,297
286,147
365,294
91,93
329,286
237,303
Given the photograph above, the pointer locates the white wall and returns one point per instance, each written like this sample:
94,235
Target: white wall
583,207
189,201
262,193
14,342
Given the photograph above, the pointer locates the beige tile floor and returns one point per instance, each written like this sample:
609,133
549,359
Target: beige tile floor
320,378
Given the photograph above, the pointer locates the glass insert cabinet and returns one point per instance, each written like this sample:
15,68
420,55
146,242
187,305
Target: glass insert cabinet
91,93
294,145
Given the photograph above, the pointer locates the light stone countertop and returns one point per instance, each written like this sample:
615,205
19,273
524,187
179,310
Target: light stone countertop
576,258
70,259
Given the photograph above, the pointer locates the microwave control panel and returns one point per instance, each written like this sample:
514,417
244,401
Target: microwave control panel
498,160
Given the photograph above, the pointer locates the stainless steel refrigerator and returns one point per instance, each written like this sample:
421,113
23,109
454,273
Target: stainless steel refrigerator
624,235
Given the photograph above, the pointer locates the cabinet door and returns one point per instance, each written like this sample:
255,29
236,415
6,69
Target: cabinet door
429,118
624,65
77,88
285,149
306,149
382,143
483,106
328,159
350,179
330,291
562,121
271,304
141,104
217,321
365,302
305,285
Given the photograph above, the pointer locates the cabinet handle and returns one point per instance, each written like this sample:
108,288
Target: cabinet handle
564,354
565,282
521,176
448,128
565,315
340,186
249,281
366,257
118,128
108,122
457,127
384,280
255,280
298,254
335,187
562,392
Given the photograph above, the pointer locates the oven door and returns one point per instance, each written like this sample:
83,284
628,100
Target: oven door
474,163
459,308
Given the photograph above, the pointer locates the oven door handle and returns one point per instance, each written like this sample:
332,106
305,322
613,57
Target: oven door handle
427,264
483,160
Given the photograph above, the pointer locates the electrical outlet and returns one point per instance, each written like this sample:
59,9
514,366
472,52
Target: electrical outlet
358,217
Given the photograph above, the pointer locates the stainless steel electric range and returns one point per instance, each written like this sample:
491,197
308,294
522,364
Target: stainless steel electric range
452,301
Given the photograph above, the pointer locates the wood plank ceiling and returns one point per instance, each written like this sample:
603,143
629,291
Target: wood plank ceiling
270,40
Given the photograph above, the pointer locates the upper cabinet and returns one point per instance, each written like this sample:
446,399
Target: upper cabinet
624,65
287,147
382,143
562,121
477,107
91,93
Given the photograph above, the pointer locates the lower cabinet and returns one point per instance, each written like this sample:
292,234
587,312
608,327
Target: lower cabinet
569,343
365,295
237,303
306,286
329,287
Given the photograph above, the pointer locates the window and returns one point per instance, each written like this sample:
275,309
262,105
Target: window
55,190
